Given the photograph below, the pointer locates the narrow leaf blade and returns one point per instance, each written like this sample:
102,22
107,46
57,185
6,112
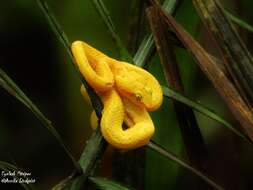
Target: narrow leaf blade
96,144
204,110
239,21
152,145
105,15
147,45
218,78
9,85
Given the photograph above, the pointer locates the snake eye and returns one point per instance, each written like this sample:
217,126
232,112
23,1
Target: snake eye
138,96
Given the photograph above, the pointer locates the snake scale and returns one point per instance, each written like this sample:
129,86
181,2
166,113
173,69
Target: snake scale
127,92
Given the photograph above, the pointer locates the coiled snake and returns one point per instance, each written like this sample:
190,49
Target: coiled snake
127,92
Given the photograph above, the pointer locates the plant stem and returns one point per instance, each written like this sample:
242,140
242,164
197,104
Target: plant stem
152,145
147,46
96,144
237,59
220,81
193,140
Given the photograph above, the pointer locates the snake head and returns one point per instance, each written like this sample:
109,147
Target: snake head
138,97
146,97
139,86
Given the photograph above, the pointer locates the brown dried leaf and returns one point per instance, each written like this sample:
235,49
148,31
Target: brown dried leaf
220,81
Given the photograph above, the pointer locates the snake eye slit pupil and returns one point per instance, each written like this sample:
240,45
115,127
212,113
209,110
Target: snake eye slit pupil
138,97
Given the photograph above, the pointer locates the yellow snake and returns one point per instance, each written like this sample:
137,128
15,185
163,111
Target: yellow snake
127,92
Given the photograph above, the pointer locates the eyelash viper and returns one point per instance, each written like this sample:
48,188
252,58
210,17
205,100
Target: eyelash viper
127,92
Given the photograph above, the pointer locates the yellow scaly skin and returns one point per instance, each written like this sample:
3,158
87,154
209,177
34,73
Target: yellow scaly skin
127,92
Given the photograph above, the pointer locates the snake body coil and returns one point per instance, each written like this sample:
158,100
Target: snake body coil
127,93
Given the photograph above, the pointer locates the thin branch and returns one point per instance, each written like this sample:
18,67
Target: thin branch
193,140
10,86
152,145
147,45
220,81
170,93
129,166
96,144
239,21
238,60
105,15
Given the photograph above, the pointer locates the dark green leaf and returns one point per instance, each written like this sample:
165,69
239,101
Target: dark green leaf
184,164
147,45
8,84
105,15
96,143
239,21
204,110
60,34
